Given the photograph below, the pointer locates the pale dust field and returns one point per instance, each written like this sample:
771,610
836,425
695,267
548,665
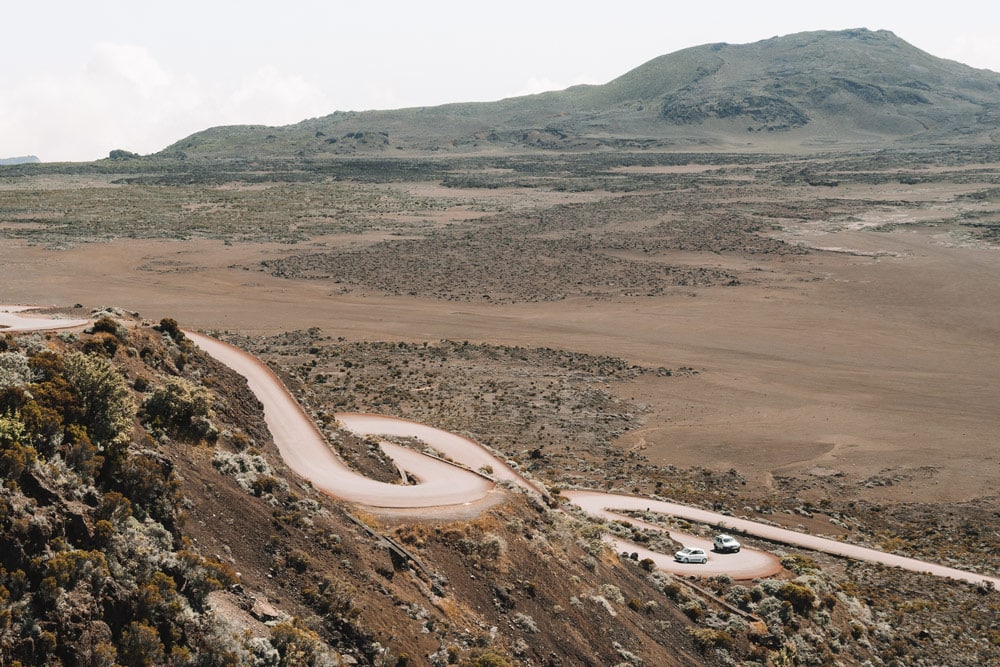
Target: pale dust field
885,361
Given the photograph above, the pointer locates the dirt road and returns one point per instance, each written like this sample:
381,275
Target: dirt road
442,483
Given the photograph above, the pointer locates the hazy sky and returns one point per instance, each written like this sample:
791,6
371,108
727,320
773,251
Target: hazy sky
82,77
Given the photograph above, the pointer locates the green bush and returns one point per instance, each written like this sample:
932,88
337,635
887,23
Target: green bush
14,369
103,344
487,659
168,326
108,408
107,325
708,638
799,596
297,645
141,646
180,408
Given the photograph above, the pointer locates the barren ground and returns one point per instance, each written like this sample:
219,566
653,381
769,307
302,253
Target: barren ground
879,359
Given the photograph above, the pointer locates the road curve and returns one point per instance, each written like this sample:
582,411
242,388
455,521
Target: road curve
306,452
443,484
11,321
604,504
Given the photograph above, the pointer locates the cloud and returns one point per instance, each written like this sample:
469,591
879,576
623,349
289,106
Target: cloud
270,97
123,97
127,67
978,50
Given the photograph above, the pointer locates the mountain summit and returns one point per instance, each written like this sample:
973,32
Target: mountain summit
850,88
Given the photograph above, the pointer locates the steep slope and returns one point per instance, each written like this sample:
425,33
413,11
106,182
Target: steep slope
851,88
146,519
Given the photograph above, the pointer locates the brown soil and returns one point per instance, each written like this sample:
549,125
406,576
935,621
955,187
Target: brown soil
830,361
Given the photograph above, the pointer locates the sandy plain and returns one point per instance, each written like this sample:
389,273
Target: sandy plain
876,355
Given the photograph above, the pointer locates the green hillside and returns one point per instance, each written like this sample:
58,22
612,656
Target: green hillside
852,88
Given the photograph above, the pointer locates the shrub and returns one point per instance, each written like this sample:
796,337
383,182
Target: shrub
149,481
799,596
525,623
108,408
67,568
15,458
141,646
114,508
12,429
333,598
297,645
107,325
487,659
14,370
298,560
80,453
799,564
707,638
693,610
168,326
180,408
198,576
103,344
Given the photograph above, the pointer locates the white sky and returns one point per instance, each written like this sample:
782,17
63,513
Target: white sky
82,77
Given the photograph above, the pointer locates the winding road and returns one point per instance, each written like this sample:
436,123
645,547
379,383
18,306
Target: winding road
461,478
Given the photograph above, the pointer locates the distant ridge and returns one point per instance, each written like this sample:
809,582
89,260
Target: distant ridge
26,159
849,89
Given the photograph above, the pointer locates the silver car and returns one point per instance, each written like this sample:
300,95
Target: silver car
689,555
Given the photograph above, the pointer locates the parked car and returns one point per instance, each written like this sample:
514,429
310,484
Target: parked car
725,544
689,555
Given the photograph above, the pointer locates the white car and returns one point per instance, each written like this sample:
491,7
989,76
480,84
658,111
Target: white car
689,555
725,544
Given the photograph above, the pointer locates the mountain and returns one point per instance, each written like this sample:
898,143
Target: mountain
851,88
24,159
